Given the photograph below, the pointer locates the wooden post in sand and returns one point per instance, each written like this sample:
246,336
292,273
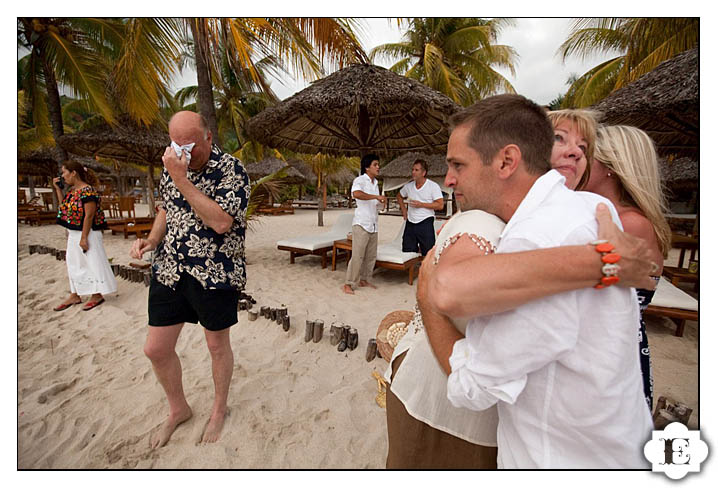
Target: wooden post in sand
335,334
264,311
345,333
371,350
285,323
252,315
353,340
318,330
309,331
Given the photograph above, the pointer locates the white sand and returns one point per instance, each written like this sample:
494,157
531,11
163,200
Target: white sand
293,404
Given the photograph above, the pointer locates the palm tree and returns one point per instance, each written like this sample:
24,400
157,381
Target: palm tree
237,98
113,65
641,44
455,56
61,48
302,44
324,166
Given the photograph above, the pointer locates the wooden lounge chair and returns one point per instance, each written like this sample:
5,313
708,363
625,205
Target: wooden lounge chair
138,226
680,274
390,256
671,302
127,204
35,215
311,204
319,244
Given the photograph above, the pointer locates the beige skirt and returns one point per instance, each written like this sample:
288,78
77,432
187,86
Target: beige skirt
414,444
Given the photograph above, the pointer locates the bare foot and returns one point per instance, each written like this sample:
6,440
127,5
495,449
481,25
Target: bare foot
364,283
214,427
162,435
348,289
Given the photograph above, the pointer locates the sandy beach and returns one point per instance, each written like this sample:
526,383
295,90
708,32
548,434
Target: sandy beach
88,398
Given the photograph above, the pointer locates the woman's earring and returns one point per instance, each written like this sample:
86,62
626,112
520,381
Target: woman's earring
608,174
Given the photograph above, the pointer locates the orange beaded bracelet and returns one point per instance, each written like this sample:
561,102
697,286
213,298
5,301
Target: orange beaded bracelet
610,268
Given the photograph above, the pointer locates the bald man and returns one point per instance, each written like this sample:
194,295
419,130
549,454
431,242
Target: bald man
198,265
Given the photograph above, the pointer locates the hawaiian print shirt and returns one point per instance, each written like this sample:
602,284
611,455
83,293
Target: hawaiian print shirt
71,211
215,260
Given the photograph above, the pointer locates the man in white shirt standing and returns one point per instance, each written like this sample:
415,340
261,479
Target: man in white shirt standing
423,197
365,225
563,370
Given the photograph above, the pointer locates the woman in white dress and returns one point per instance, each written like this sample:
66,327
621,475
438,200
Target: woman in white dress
80,213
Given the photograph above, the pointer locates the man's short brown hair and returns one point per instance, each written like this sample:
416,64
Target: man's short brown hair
509,119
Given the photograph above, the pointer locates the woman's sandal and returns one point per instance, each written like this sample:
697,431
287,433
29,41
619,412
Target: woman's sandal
65,305
93,304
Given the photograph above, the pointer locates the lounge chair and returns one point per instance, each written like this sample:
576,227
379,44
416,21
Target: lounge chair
139,226
389,255
319,244
671,302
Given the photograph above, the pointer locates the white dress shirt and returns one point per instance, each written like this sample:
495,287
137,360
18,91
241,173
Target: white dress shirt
420,382
563,370
367,212
428,193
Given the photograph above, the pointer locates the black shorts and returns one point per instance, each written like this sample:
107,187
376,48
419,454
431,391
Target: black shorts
419,237
215,309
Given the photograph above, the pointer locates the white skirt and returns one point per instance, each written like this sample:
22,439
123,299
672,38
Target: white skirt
90,272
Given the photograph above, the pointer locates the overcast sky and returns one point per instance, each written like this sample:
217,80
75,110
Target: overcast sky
540,74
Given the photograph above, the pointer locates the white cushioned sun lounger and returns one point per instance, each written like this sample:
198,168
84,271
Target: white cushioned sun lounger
670,301
319,244
390,256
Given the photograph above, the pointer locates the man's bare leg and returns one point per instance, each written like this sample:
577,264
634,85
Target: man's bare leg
160,349
366,283
220,350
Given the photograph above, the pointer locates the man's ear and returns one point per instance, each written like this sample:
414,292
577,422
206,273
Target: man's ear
508,160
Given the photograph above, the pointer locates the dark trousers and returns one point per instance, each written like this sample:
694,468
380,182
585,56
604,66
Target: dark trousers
419,237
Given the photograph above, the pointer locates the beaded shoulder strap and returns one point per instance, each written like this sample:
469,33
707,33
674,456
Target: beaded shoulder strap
482,243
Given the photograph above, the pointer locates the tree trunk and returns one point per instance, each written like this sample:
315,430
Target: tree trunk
31,186
151,193
54,108
320,208
324,193
205,97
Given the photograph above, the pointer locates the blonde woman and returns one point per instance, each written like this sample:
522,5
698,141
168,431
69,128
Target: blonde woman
574,142
625,171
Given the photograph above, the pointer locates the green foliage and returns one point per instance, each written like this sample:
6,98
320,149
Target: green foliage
641,44
455,56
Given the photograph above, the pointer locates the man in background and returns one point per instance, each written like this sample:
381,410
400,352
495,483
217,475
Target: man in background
423,199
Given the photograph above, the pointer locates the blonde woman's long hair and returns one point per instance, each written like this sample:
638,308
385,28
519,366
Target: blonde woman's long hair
585,122
630,154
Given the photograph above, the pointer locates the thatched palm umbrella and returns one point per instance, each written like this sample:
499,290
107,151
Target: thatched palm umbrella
664,103
679,173
270,166
355,111
125,141
41,162
398,172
